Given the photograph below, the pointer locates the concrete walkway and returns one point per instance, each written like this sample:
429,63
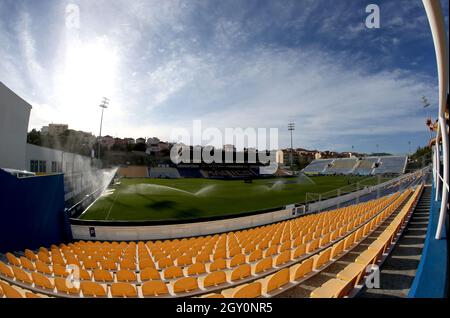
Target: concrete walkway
399,269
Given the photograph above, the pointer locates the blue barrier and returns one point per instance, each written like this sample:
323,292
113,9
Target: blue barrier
32,212
431,277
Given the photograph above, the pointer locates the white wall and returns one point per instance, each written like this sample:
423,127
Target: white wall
135,233
79,174
14,117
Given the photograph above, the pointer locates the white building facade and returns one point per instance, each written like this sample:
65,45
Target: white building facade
14,118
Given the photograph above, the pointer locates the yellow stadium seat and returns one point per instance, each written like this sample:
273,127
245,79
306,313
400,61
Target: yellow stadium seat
123,290
255,256
235,251
92,289
184,260
144,263
126,275
337,249
313,245
299,251
349,241
241,272
127,264
285,246
164,263
353,272
6,270
196,269
272,250
283,258
12,259
90,264
334,235
275,281
21,275
154,288
42,267
322,258
251,290
31,295
9,291
263,265
44,257
307,238
215,279
298,271
173,272
185,284
334,288
378,245
27,264
367,257
221,253
212,296
367,228
84,274
30,255
41,281
324,240
237,260
102,275
218,265
149,274
62,287
359,234
203,258
108,265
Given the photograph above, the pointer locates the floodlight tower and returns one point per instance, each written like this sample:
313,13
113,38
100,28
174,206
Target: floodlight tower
291,128
104,104
426,104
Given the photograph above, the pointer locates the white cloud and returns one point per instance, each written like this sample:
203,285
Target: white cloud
161,74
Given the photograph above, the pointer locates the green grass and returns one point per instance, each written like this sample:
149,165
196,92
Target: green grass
158,199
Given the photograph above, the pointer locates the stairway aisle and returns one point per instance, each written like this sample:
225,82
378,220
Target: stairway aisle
399,269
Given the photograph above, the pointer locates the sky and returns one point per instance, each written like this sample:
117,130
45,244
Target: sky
230,64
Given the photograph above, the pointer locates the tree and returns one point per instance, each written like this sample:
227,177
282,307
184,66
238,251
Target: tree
140,147
34,138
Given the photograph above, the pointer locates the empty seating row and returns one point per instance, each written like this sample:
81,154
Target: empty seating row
289,277
346,280
218,260
361,166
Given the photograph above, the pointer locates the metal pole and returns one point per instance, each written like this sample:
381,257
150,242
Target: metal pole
103,105
438,30
292,153
291,128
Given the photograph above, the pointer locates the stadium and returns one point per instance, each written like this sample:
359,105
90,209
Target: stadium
73,227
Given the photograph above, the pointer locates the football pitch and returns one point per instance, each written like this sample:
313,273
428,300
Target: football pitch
164,199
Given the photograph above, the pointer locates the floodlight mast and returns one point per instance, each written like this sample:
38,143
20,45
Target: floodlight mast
103,106
426,104
291,128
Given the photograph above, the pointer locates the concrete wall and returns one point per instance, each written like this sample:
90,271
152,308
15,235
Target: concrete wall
155,232
14,117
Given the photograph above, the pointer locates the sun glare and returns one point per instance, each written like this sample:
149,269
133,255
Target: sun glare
88,74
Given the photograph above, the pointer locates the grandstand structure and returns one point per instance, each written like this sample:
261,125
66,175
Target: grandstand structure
388,165
259,262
